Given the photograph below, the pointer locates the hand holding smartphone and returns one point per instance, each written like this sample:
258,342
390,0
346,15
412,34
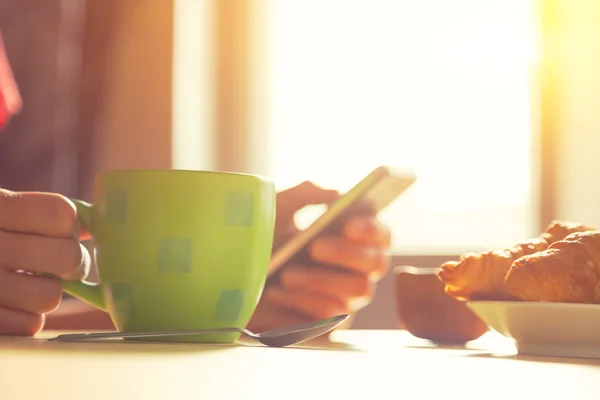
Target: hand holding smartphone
371,195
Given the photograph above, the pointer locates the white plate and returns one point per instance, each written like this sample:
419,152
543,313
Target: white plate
546,329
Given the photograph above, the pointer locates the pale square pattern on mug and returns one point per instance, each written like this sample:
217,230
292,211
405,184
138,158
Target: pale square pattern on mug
174,255
239,209
116,206
122,295
229,305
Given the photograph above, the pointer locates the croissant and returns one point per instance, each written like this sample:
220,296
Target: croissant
481,276
558,230
568,271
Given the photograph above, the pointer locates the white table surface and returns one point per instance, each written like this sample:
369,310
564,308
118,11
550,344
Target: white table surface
354,364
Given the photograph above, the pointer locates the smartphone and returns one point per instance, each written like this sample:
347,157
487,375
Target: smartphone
371,195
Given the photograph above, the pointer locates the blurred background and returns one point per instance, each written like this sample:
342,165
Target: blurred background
495,104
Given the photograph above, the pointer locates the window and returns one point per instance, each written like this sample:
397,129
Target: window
440,86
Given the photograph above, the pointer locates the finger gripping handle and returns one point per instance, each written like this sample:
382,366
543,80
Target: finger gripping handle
90,292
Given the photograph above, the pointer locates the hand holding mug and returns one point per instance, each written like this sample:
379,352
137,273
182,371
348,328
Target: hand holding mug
174,250
38,237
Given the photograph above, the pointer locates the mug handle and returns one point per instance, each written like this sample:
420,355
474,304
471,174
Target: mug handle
90,292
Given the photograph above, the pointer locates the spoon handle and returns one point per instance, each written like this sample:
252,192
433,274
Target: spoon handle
73,337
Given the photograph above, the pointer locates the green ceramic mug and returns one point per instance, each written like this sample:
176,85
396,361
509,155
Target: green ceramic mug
178,249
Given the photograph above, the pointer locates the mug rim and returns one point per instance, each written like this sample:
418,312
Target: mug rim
183,171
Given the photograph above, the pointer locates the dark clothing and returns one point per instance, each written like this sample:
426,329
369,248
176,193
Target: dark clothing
58,54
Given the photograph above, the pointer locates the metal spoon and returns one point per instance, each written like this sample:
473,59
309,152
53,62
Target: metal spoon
280,337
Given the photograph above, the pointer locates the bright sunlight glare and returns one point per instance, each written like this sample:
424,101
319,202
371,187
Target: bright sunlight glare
442,87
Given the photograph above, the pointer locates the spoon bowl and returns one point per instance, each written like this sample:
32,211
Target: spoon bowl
280,337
